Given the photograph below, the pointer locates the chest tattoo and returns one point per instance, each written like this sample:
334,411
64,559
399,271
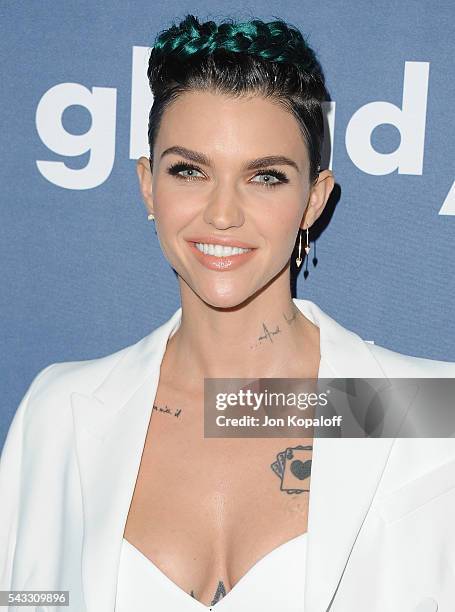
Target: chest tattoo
166,410
293,467
219,593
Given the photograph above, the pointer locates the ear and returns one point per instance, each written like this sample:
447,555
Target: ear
319,194
144,175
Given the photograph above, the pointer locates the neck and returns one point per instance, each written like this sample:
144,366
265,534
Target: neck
266,336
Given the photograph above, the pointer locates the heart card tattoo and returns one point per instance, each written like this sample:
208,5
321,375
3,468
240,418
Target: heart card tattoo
293,467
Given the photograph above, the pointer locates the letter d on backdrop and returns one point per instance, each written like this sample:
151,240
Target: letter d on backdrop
410,121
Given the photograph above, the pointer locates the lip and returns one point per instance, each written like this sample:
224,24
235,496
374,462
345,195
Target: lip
224,240
222,264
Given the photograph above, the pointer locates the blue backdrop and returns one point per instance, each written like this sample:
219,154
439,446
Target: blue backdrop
82,274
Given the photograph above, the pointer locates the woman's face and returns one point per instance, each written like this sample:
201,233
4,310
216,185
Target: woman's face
215,187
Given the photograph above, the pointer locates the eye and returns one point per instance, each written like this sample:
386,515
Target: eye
279,177
177,168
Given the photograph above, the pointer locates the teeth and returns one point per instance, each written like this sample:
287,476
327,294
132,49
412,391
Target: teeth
219,250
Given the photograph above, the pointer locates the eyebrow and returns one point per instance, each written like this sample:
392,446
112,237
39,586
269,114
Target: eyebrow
253,164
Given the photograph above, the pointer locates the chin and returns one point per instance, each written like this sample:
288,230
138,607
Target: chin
228,298
223,301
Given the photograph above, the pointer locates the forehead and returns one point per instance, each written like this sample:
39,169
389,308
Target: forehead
217,123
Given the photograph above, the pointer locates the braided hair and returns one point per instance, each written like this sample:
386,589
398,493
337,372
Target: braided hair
270,59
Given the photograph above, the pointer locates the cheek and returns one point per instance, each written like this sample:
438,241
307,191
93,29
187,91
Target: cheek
280,227
174,204
172,216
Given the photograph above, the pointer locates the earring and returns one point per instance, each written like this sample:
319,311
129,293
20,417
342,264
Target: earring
151,217
298,260
307,248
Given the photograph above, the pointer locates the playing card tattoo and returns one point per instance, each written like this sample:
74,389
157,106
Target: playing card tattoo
293,468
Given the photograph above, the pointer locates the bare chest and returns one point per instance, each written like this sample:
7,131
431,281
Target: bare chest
205,510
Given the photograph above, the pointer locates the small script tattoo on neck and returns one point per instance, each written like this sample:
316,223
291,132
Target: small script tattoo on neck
219,594
268,334
293,468
167,410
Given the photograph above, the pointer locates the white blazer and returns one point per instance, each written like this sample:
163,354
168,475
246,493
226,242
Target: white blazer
381,527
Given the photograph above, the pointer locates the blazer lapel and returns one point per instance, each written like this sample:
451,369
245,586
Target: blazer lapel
110,429
344,472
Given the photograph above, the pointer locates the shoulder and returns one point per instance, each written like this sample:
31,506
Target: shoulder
83,375
399,364
48,395
51,390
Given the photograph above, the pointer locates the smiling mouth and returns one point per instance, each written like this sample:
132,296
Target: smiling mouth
219,250
221,257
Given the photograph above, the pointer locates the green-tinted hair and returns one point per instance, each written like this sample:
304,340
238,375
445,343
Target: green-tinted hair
270,59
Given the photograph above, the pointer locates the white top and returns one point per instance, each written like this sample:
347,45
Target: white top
275,582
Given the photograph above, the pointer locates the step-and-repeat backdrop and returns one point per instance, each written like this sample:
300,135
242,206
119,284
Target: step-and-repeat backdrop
82,273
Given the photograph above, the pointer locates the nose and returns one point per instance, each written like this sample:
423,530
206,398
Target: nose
224,209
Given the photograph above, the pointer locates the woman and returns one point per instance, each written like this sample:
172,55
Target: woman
129,512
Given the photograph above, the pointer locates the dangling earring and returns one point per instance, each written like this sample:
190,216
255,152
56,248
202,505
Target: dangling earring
307,248
151,217
298,260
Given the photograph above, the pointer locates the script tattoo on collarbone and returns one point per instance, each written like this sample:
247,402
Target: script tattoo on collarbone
293,468
167,410
219,594
268,334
